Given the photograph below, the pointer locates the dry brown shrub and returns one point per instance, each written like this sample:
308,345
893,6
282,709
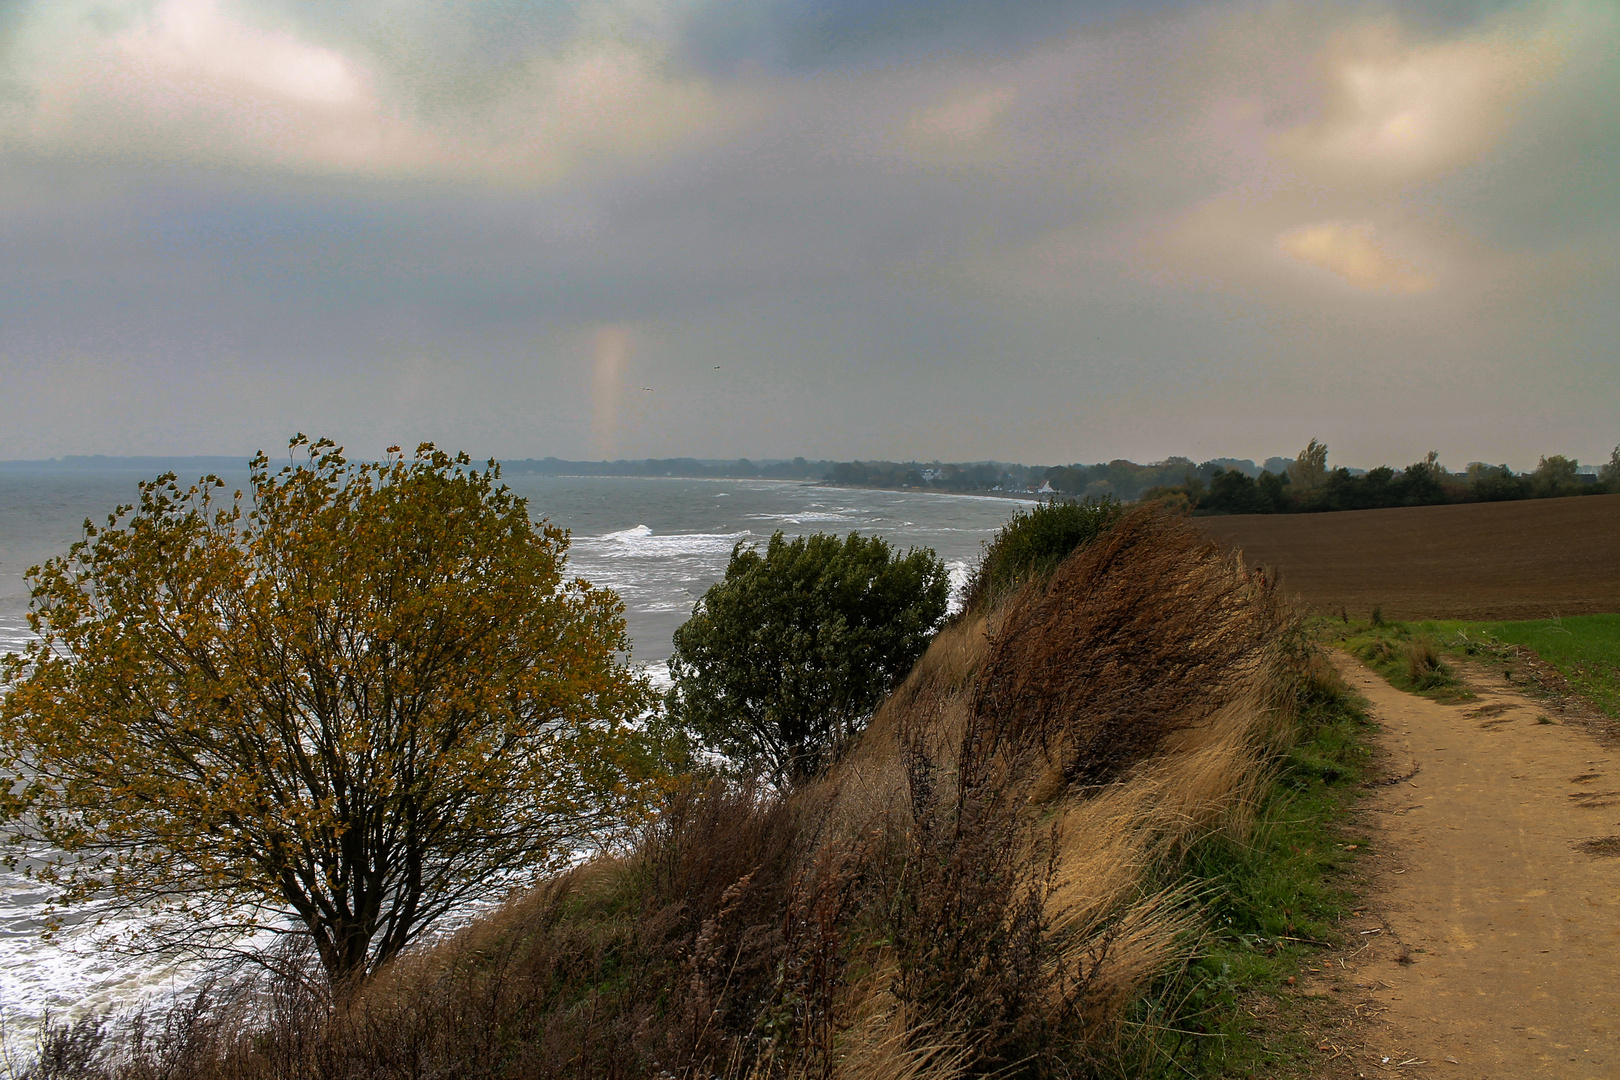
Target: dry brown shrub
1147,631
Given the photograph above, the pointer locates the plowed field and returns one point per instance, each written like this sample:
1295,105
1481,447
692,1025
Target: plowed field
1517,560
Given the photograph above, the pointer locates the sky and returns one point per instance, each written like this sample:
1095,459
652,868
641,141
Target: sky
958,229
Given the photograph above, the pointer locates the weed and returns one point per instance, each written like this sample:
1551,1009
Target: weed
1409,658
1424,668
1098,667
1268,898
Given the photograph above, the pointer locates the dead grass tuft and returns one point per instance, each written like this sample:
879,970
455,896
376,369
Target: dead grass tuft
1424,668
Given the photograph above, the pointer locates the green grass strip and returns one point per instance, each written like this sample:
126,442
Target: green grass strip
1271,903
1585,649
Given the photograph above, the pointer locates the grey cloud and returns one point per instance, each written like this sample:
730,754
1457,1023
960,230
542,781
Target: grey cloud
1060,248
797,35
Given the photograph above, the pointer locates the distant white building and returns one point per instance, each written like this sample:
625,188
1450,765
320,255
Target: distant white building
1046,489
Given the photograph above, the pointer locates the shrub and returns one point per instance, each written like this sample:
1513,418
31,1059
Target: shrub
1555,476
1487,483
1109,659
1609,474
783,661
1034,541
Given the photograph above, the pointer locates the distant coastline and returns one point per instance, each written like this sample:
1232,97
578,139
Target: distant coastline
211,463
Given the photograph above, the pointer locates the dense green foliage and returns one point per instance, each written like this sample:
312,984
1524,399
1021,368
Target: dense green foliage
1034,541
783,660
1303,484
338,707
1309,487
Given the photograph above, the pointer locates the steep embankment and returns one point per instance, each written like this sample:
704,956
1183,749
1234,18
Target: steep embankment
991,880
1512,560
1494,921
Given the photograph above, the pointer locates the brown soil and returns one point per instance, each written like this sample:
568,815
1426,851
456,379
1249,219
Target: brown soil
1517,560
1488,943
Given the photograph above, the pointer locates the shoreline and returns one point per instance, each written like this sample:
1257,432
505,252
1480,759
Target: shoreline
1014,496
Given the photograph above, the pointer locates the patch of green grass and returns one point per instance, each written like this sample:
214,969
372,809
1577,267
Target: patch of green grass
1272,903
1409,655
1584,648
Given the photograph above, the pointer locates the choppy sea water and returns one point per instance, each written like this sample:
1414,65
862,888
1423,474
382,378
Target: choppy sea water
658,542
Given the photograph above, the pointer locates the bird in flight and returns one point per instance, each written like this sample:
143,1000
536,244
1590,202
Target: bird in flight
647,388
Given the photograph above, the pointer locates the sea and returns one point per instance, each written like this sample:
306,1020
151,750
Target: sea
658,542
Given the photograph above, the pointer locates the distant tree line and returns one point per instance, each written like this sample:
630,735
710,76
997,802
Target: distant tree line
1302,484
1307,485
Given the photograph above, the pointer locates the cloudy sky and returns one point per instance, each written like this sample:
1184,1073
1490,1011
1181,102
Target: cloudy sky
1038,230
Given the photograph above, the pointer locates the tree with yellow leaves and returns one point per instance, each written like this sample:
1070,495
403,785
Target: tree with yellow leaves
339,706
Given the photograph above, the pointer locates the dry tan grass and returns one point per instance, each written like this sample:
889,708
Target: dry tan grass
1020,799
1120,762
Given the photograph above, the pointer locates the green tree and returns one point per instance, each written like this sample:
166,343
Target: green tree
1555,476
338,707
784,660
1609,475
1310,467
1495,483
1034,542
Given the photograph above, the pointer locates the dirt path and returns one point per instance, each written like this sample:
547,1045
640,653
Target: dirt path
1494,931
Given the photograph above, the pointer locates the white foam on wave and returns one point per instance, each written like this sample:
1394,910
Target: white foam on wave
642,542
658,675
655,573
78,972
960,573
838,521
626,535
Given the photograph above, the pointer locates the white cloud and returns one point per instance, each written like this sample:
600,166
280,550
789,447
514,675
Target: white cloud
200,81
193,39
1355,254
1401,109
190,80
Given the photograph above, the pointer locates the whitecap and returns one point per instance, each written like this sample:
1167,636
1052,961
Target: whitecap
959,573
658,675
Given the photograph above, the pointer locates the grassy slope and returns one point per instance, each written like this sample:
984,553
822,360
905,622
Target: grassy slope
719,939
1270,904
